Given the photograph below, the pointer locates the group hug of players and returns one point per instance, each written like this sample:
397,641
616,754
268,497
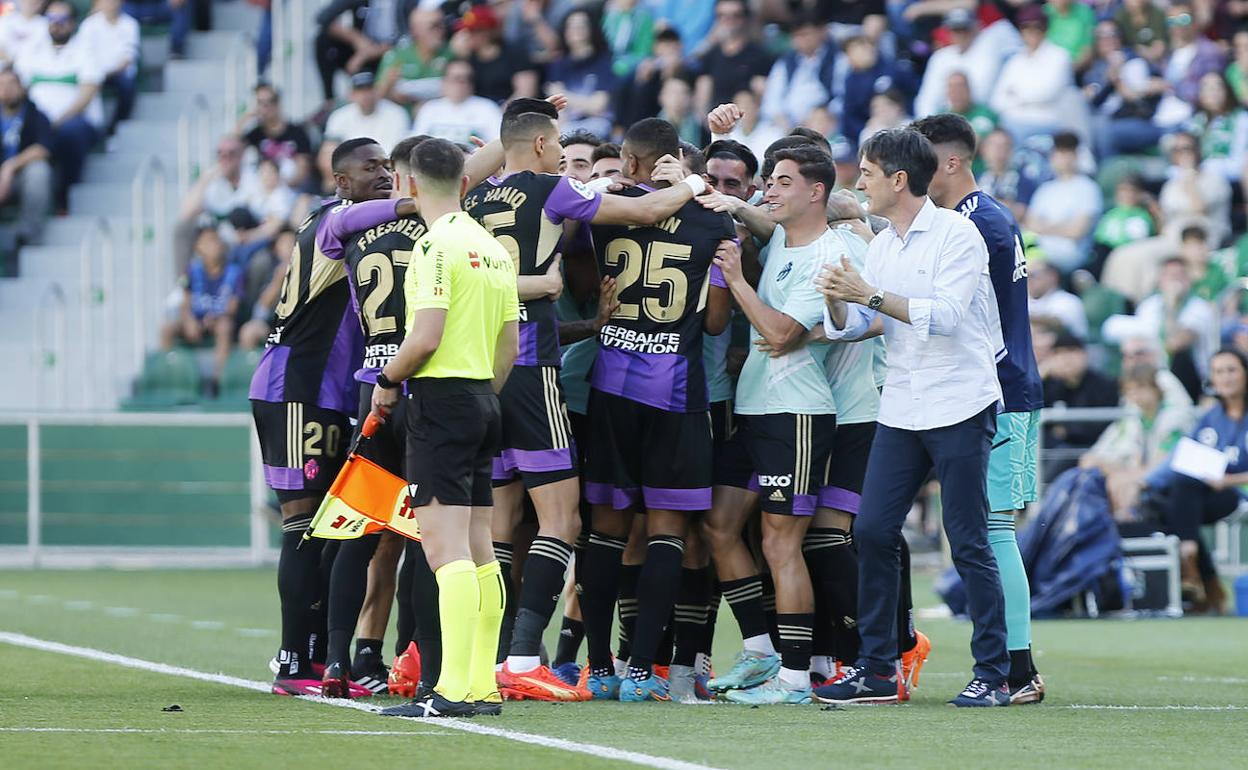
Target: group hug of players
607,341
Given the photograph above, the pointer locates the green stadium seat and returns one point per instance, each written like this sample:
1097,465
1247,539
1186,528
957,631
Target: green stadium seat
235,382
1099,303
170,380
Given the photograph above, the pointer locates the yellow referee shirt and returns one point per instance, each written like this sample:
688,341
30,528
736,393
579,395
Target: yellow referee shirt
459,267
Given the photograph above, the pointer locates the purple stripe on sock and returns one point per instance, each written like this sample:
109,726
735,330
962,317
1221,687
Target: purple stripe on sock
269,381
535,460
659,498
840,499
804,505
606,494
283,478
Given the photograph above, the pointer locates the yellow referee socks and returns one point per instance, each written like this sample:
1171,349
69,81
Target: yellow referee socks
481,682
459,598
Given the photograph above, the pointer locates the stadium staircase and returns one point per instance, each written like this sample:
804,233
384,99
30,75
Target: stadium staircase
83,312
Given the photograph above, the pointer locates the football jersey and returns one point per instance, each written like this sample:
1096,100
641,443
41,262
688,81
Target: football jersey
651,349
376,261
1021,388
316,345
793,383
525,212
854,369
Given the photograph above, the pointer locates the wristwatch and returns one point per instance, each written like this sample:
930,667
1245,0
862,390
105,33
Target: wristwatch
385,383
876,299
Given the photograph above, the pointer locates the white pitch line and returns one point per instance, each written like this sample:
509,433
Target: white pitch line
1172,707
545,741
205,731
1204,679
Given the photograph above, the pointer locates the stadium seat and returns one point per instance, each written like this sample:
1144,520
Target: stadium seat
170,379
1228,540
235,382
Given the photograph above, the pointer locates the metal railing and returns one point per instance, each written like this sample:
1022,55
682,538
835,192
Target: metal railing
289,56
1067,415
196,139
50,348
98,313
151,261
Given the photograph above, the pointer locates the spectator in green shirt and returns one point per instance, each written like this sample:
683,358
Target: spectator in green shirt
629,27
1209,278
958,94
412,70
1143,27
1070,26
1129,219
1221,126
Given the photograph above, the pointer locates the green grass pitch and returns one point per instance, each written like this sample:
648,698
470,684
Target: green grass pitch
1145,693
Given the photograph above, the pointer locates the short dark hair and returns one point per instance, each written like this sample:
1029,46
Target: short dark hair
903,149
653,138
813,164
525,104
1194,232
731,149
346,149
438,161
580,136
783,143
523,127
265,85
814,136
402,152
605,150
667,35
694,158
806,18
1065,140
948,128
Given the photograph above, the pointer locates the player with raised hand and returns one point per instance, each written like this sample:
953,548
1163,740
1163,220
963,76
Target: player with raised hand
650,434
525,208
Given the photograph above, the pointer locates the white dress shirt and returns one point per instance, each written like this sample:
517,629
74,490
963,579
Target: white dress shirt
1031,85
942,366
388,124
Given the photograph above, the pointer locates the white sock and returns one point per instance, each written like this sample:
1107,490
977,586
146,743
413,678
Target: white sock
522,664
761,643
621,668
823,665
792,679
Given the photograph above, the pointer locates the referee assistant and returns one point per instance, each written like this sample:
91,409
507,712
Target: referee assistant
462,339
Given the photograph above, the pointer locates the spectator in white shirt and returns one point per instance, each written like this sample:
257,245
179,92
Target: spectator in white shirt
21,25
368,115
811,75
114,38
1050,300
926,278
1035,82
742,122
1065,209
63,76
977,53
460,114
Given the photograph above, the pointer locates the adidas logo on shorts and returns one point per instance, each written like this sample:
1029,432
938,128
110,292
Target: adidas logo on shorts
777,497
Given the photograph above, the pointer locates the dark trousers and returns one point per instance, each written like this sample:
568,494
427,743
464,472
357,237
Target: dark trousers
71,142
332,55
126,85
162,12
899,463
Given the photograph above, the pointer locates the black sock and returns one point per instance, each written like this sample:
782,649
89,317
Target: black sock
745,599
1021,667
712,615
406,623
318,638
571,634
627,608
833,567
600,585
540,587
655,598
369,647
667,644
795,630
424,605
348,584
503,552
906,640
769,608
297,584
690,615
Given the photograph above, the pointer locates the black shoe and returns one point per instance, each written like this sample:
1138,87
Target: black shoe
371,673
980,692
433,706
485,708
336,681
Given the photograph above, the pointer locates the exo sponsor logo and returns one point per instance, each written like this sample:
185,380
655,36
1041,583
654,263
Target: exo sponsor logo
775,481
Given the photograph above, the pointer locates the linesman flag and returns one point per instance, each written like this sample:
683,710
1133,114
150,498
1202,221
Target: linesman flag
364,498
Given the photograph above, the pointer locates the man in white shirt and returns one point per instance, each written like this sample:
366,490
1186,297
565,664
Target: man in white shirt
1035,82
368,115
63,78
926,277
21,25
1050,300
460,114
978,54
113,36
1064,209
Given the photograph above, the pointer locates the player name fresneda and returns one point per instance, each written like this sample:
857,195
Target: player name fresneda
640,342
377,356
410,226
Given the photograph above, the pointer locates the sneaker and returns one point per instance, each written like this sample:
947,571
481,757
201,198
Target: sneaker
598,687
651,688
1032,692
858,686
433,706
336,681
911,664
749,670
681,684
769,693
487,708
370,674
569,672
980,692
538,684
700,688
404,674
295,686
